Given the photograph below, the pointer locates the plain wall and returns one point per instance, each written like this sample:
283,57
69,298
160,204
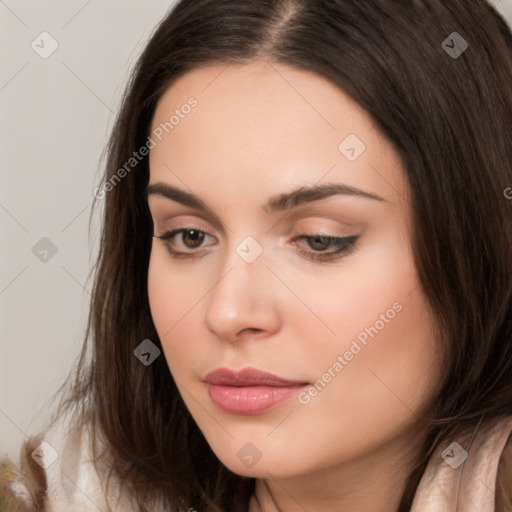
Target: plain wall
56,113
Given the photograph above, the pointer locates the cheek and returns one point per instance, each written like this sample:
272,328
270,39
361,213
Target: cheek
174,295
376,390
382,365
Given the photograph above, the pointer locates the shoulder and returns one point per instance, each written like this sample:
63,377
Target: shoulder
55,474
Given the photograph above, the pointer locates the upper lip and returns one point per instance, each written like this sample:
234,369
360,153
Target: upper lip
247,377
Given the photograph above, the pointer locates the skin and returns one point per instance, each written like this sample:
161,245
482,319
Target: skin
259,130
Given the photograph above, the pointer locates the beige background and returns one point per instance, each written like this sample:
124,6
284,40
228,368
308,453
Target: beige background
56,113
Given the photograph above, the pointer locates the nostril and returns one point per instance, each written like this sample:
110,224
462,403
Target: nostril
249,330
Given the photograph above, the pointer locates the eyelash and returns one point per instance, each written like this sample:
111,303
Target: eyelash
346,245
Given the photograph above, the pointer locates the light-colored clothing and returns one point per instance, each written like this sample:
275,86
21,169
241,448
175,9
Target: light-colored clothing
447,486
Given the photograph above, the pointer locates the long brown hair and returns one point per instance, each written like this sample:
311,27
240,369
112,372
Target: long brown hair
450,118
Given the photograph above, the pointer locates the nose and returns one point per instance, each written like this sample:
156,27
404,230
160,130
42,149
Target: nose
244,300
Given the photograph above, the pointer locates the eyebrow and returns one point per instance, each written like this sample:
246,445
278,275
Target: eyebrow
281,202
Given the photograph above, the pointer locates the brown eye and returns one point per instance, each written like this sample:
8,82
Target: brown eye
181,243
326,248
192,238
319,243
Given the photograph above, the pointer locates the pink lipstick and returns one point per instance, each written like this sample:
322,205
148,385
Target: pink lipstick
249,391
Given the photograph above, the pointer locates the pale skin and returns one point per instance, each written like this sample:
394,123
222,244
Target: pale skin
260,130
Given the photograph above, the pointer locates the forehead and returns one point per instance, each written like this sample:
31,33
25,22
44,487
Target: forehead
286,125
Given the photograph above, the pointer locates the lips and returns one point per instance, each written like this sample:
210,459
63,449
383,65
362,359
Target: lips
249,391
247,377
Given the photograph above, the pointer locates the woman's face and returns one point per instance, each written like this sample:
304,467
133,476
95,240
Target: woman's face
319,288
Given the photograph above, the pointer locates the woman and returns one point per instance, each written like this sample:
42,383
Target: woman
303,294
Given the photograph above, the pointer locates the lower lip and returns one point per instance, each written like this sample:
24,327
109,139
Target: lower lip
251,399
